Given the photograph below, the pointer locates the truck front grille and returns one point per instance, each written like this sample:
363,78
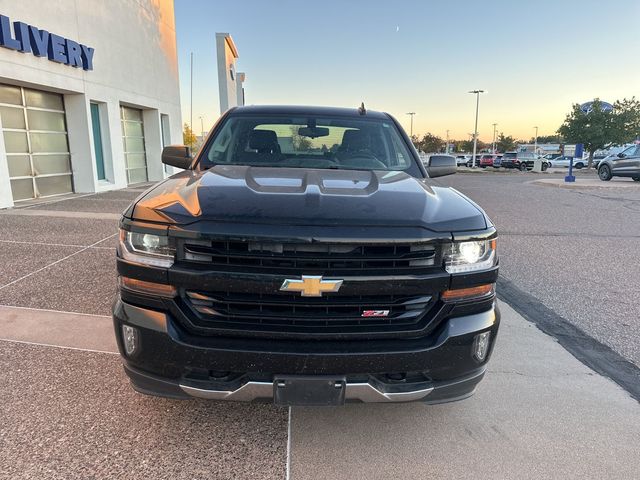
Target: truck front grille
310,258
291,314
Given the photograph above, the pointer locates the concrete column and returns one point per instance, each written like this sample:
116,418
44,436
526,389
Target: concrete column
153,143
6,199
240,79
80,135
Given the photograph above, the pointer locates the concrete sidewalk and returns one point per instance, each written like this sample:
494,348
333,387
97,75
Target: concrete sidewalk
539,413
588,183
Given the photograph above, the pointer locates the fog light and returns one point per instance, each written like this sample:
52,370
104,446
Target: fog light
130,339
481,346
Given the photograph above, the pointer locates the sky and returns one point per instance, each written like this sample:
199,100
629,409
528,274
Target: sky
534,59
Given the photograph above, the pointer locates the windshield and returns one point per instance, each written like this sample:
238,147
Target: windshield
308,142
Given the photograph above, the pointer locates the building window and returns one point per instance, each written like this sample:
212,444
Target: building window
35,137
133,140
97,141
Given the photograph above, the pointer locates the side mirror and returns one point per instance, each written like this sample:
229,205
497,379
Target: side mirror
441,165
177,156
621,155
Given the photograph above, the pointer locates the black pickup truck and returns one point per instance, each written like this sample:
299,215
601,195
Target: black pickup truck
305,257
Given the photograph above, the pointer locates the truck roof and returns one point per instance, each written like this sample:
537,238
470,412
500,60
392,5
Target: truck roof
306,110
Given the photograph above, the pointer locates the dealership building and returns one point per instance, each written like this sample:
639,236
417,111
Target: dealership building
89,95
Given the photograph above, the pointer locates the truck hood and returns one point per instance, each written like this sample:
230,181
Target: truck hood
294,196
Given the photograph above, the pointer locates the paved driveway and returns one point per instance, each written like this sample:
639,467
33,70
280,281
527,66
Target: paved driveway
575,250
66,410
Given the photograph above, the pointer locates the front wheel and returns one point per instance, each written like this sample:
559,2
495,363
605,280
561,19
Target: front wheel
604,172
579,165
636,179
523,167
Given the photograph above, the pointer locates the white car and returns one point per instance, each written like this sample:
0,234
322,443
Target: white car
461,160
563,161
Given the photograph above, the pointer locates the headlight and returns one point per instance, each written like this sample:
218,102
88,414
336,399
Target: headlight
471,256
147,248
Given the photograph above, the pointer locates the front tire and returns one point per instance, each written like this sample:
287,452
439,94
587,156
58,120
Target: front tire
579,165
523,167
636,179
604,172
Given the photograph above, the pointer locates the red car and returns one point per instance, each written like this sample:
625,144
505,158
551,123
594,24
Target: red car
486,160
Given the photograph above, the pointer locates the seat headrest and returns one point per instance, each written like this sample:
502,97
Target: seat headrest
263,141
353,140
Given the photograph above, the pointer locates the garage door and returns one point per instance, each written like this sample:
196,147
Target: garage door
133,138
35,138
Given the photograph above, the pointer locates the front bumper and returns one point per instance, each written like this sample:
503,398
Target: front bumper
170,362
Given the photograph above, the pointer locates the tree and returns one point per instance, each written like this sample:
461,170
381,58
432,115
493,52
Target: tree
431,143
600,128
546,139
416,142
505,144
188,137
300,143
628,119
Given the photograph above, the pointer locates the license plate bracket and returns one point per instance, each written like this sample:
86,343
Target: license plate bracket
300,390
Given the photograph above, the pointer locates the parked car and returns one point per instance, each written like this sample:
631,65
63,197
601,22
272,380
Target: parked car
486,160
497,161
563,162
461,160
470,161
597,159
624,164
276,271
519,160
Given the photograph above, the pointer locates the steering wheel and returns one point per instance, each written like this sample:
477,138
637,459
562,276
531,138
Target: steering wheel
319,162
363,160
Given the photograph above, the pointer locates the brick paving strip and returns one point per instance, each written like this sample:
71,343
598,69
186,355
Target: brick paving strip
54,328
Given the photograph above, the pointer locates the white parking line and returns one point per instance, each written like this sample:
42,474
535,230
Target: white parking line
55,244
55,311
289,445
57,346
56,262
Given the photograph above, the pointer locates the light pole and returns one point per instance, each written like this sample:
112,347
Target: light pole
191,100
411,114
475,130
447,151
493,147
202,127
535,142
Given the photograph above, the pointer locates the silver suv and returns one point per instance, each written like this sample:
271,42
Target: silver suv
624,164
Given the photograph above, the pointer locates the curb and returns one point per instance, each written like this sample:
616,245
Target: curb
579,185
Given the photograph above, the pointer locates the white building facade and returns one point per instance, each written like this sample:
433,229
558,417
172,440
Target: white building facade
89,95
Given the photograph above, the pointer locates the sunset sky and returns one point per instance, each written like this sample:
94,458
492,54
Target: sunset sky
534,59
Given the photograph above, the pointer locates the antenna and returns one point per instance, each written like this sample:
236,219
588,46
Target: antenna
362,110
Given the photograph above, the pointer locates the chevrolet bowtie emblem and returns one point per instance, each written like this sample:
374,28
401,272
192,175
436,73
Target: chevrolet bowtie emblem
311,286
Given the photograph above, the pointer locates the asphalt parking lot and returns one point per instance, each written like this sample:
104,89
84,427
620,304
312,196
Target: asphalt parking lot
66,410
575,250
